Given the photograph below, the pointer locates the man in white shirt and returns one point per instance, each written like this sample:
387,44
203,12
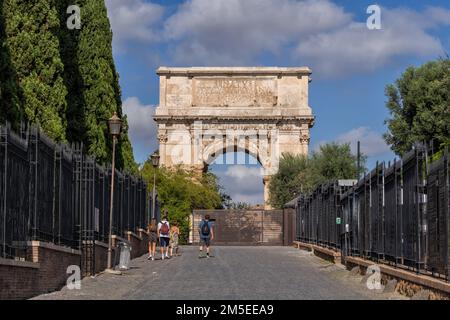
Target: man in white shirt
164,235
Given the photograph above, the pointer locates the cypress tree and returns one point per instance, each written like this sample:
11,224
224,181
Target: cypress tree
100,85
68,39
9,91
30,29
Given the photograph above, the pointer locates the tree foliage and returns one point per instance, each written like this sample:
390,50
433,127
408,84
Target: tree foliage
63,79
9,90
300,173
419,105
30,41
180,192
100,88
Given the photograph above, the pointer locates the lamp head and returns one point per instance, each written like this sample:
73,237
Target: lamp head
114,125
155,160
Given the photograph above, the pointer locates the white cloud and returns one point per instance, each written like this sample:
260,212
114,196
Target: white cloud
437,15
241,173
234,32
142,128
133,21
243,183
317,33
354,48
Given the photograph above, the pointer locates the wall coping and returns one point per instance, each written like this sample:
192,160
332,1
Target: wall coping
52,246
19,263
102,244
131,233
421,279
99,243
143,231
120,238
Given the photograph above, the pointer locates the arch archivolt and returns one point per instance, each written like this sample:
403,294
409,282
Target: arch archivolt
251,144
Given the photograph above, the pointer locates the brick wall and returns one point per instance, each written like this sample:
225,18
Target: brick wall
101,256
46,265
18,279
44,271
53,262
139,243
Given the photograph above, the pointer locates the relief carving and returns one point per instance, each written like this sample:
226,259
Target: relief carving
304,138
162,137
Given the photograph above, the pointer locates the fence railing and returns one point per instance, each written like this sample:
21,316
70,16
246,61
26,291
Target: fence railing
398,214
55,193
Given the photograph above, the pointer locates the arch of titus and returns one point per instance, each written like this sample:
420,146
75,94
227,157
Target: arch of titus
205,112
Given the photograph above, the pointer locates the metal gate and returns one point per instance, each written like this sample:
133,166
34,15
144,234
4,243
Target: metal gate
244,227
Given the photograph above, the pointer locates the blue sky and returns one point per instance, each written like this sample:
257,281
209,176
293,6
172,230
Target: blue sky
351,65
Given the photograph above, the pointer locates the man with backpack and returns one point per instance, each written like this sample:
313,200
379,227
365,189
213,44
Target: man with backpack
164,235
206,233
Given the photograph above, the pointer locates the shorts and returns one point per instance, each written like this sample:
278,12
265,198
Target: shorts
163,242
205,241
152,237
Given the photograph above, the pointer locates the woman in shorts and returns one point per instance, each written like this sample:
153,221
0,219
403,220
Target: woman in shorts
152,239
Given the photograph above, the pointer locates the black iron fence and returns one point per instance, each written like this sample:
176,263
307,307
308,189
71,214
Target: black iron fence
398,214
319,214
54,193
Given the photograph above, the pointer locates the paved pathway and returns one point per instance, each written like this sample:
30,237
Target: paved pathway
233,273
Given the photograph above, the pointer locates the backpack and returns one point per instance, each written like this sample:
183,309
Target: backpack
205,228
164,228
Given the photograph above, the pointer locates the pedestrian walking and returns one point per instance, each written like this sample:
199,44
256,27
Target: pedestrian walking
152,239
174,236
206,232
164,236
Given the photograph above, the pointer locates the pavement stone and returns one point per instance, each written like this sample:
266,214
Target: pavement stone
233,273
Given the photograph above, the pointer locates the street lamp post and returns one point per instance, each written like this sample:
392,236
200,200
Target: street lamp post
155,163
114,126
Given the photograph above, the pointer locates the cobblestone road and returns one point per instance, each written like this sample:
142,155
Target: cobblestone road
233,273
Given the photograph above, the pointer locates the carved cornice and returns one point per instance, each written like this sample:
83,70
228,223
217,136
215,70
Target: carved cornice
241,119
233,71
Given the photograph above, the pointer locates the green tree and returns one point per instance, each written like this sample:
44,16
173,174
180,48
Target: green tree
335,161
294,176
180,192
30,29
100,90
299,173
419,106
10,108
69,39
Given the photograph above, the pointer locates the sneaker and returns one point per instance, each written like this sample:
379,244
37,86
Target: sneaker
162,257
153,258
207,255
200,255
149,257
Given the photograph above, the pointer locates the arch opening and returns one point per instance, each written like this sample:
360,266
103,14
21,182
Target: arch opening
241,176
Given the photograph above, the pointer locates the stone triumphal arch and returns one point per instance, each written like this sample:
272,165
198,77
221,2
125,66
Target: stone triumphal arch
208,111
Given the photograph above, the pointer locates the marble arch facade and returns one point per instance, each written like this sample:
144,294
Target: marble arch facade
207,111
